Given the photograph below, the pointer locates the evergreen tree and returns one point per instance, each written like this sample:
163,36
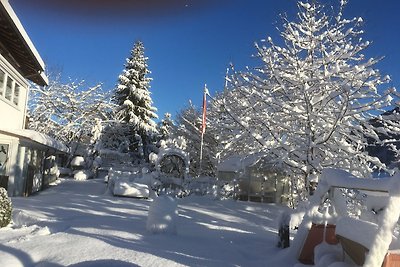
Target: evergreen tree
165,127
132,97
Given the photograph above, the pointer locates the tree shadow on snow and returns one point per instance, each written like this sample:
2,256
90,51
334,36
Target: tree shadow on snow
104,263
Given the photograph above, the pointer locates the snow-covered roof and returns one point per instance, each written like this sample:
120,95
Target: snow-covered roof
37,137
239,162
20,51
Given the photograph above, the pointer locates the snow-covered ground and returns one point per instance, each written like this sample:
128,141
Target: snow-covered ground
77,223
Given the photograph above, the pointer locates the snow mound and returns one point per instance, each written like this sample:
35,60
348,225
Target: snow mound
82,175
163,215
326,254
130,189
21,218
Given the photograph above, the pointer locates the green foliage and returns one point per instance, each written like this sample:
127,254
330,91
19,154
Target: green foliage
5,208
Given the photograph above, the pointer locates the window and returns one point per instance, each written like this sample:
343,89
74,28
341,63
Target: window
2,81
17,91
9,88
3,158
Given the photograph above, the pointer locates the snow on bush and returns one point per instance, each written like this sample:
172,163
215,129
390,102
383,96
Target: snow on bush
78,161
163,215
201,186
5,208
82,175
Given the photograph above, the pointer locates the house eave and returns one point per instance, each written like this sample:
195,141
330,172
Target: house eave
37,138
17,47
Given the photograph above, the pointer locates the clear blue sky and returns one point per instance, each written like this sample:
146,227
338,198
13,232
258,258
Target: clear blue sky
188,42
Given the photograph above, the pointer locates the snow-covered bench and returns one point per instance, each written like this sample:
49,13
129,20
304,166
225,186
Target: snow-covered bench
121,173
358,238
127,183
131,189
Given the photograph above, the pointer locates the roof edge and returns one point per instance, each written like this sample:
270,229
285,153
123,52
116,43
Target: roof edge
28,42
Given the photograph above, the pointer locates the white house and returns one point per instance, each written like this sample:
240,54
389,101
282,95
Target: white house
25,155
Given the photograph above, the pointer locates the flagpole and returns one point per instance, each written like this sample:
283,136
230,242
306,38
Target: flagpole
201,152
203,127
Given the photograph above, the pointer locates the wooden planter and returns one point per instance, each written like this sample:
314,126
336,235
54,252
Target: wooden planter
315,237
392,259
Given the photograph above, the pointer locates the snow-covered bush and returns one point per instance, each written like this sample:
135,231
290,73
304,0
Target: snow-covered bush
163,216
82,175
5,208
78,162
202,186
227,190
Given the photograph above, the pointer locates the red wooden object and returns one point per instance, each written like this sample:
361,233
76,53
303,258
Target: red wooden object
315,237
392,259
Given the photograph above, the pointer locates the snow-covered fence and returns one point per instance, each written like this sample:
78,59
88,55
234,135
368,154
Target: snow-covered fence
382,237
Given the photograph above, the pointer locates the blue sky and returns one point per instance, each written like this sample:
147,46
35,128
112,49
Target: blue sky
189,42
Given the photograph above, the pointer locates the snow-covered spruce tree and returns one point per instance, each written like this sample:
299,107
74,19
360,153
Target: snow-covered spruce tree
132,97
165,127
188,122
5,208
310,102
114,135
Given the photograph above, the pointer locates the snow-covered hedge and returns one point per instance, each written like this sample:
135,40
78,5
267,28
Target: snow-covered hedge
5,208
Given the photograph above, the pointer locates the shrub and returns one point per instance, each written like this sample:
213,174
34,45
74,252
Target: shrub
5,208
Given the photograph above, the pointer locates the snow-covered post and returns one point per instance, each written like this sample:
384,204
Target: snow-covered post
163,216
314,202
390,217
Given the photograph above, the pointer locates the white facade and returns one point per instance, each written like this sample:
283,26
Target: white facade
13,96
26,156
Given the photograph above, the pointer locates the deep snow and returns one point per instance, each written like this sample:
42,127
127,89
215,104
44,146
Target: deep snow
78,223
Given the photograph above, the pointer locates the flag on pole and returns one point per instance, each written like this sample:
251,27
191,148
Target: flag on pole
203,123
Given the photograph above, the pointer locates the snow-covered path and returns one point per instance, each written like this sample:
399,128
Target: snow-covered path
79,224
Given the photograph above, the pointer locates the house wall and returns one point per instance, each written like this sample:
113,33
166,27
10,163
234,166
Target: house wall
13,97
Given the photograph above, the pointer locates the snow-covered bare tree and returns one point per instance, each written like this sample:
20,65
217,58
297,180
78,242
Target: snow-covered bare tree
310,102
132,96
233,139
67,111
188,125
